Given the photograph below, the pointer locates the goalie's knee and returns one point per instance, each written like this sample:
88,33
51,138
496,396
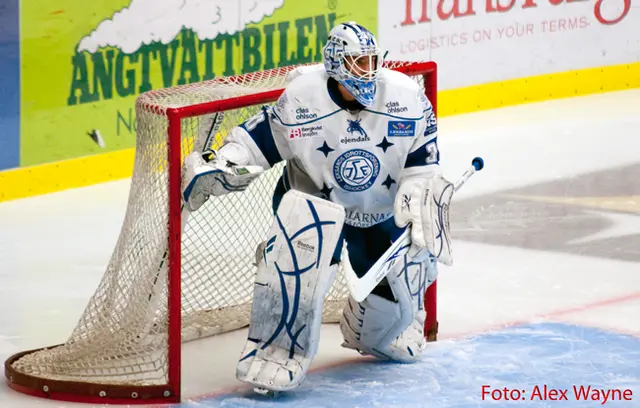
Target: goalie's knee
389,323
376,327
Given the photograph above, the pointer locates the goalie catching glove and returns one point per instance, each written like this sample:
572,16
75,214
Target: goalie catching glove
424,202
204,175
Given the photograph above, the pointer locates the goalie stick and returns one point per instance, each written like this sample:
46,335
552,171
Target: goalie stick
360,288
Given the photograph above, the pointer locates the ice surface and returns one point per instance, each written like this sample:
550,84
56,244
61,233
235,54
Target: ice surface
545,286
453,372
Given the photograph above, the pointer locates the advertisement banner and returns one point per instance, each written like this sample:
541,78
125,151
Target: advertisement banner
84,63
482,41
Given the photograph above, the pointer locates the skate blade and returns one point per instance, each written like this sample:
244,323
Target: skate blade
266,392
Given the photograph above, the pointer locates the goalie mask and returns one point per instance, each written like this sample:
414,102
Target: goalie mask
352,57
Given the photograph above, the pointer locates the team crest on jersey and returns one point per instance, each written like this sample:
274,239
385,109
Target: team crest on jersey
356,170
401,128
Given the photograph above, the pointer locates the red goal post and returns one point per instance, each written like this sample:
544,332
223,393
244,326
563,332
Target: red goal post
167,283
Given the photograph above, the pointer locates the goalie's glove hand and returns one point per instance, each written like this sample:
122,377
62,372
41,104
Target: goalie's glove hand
204,174
424,202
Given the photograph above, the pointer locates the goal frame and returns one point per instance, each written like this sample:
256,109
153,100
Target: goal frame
75,391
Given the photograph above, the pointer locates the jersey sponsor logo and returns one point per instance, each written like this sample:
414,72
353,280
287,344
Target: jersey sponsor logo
432,124
361,220
357,139
303,114
353,126
356,170
305,132
394,107
401,128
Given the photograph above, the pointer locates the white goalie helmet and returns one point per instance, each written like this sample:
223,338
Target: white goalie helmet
352,57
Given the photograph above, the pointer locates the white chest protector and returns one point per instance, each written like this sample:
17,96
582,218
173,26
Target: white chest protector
355,159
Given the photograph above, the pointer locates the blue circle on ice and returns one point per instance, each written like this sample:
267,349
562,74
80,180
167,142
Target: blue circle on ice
356,170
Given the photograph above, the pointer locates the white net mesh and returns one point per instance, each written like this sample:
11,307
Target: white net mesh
122,337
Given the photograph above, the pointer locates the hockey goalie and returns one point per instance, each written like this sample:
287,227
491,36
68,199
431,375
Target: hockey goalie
362,164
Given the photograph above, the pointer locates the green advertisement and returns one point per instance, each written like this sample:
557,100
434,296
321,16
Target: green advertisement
84,63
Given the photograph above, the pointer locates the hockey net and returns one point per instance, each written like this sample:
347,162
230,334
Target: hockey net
163,287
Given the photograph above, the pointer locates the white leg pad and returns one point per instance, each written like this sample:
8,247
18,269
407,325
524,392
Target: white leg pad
293,278
387,329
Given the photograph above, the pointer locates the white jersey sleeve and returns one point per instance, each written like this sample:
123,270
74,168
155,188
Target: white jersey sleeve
261,142
265,135
424,156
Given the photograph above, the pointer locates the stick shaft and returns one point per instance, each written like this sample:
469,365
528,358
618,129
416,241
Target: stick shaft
360,288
